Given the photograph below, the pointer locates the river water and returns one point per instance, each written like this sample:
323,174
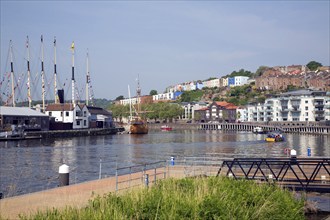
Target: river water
29,166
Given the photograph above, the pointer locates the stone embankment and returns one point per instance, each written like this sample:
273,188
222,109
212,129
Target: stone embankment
74,133
288,127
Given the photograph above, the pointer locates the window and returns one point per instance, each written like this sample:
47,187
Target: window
306,108
78,123
85,122
67,114
84,113
306,101
61,114
50,113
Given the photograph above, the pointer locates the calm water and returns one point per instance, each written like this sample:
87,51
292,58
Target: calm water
29,166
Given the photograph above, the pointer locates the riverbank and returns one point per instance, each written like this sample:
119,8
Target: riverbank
298,127
75,133
81,195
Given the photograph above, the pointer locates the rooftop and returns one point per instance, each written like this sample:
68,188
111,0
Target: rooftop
20,111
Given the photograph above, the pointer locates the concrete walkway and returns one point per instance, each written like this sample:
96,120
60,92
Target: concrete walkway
78,195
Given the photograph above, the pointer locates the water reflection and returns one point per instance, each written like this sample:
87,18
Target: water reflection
28,166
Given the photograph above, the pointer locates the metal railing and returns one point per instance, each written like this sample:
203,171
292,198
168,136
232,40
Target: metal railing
137,175
308,174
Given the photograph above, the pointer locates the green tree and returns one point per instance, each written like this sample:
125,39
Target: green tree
119,98
119,111
153,92
190,96
261,70
313,65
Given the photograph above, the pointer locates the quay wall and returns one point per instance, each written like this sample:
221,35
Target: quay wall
74,133
285,127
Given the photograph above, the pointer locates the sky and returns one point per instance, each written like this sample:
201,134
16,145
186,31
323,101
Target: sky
162,42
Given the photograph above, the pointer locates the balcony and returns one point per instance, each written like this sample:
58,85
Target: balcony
295,103
268,104
284,109
295,99
318,111
319,118
295,109
318,103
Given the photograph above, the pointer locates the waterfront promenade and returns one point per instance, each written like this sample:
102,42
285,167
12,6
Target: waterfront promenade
77,195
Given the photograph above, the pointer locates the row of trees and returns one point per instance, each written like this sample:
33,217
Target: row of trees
156,111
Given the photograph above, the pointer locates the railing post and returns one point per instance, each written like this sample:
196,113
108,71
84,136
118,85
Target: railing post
165,164
100,170
155,177
146,180
116,175
130,177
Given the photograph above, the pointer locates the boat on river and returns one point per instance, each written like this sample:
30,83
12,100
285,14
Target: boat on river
274,137
166,128
259,130
137,125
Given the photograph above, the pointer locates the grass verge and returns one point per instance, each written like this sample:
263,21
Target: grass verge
190,198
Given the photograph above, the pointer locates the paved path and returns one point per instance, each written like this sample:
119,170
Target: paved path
78,195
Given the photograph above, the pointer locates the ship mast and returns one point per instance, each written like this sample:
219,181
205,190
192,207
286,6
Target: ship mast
87,80
42,75
55,74
72,49
130,104
12,74
138,93
28,72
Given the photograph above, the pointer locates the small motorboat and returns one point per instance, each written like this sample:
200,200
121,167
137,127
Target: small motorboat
259,130
166,128
274,137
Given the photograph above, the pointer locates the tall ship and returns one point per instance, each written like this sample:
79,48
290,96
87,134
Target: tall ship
137,124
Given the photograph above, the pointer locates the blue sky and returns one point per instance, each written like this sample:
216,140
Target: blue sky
165,42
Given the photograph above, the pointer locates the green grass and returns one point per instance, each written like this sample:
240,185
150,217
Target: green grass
190,198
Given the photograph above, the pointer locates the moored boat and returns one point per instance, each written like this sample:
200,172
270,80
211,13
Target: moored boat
138,126
259,130
274,137
166,128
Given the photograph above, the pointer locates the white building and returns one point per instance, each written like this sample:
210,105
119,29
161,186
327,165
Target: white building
69,114
163,97
190,108
241,80
212,83
301,105
242,114
133,101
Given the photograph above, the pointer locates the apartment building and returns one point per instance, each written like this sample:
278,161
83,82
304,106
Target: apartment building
237,81
300,105
212,83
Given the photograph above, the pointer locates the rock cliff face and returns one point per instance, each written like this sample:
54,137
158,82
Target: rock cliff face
277,80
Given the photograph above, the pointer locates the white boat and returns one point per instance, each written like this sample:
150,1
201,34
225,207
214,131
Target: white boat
259,130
